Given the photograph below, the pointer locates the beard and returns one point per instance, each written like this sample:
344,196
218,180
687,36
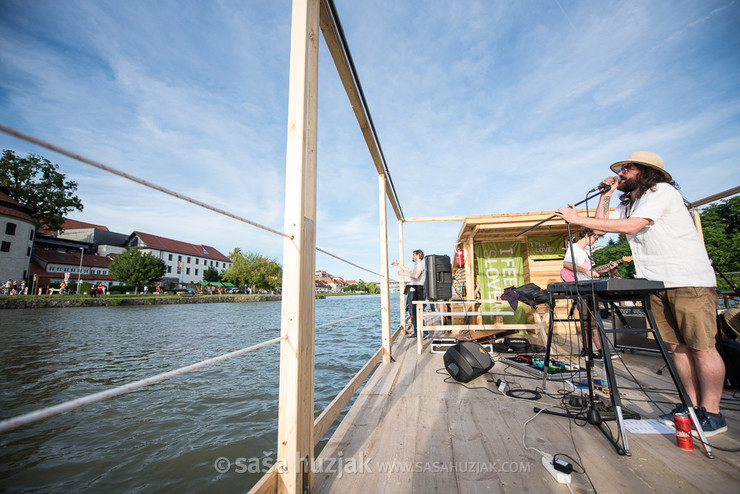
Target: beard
627,184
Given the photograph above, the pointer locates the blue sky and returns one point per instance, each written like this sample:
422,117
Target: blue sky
482,107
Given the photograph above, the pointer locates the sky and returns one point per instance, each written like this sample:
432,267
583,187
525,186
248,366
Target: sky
481,107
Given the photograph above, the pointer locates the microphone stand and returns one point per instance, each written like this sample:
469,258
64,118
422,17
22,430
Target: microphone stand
593,416
588,198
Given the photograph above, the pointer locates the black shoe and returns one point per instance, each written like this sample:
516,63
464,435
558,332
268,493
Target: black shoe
711,423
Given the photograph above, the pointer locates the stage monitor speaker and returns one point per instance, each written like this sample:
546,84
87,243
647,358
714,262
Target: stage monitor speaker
467,360
438,283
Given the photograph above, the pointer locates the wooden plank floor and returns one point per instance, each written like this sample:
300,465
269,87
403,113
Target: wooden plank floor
415,429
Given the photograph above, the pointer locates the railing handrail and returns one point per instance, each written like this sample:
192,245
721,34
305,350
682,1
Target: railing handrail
35,416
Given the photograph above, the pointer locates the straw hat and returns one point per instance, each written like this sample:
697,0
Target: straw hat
644,158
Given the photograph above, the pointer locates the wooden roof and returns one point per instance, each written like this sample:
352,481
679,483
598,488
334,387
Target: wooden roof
493,226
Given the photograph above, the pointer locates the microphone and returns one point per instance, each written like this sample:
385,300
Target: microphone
600,188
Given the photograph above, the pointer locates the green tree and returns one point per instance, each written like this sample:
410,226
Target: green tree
36,183
137,269
612,252
211,274
721,227
253,270
372,288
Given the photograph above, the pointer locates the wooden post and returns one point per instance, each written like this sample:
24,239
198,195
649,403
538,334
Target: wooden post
296,411
697,222
402,281
469,253
385,299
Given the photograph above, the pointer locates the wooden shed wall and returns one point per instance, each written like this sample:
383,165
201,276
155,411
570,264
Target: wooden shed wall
505,227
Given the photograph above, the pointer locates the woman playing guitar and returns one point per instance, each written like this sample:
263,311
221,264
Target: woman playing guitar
585,237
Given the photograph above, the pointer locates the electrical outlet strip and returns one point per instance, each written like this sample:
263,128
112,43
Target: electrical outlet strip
561,477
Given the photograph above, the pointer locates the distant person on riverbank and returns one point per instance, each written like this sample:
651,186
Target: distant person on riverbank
415,288
666,247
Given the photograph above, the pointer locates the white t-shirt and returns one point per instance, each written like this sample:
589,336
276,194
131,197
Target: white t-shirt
669,248
582,259
418,266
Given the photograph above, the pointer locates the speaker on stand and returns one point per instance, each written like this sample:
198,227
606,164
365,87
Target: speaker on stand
438,282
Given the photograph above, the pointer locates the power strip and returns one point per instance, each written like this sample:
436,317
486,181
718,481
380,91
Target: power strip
561,477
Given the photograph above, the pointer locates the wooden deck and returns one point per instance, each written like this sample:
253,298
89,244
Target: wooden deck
440,436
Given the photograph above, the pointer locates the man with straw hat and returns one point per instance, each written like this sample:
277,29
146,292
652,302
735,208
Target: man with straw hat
667,247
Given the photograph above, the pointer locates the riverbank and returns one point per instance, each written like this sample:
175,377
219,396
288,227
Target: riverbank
57,301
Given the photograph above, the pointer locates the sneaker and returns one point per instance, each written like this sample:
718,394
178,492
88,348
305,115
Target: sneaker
711,423
667,418
411,335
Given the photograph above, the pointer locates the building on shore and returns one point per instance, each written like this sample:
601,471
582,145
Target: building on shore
185,263
17,233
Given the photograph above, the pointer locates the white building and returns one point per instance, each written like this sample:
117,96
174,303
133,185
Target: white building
185,262
17,231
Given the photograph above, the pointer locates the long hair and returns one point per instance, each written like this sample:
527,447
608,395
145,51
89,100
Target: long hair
646,180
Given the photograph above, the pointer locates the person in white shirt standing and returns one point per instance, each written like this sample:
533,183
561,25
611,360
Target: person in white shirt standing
667,247
415,288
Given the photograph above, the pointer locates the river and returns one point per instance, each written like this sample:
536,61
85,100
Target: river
167,436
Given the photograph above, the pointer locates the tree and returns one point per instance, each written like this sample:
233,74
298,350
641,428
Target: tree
211,274
254,270
721,227
137,269
35,182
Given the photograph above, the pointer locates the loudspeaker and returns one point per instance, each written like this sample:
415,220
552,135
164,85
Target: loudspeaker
467,360
438,282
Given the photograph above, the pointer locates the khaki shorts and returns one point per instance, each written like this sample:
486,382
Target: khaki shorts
687,316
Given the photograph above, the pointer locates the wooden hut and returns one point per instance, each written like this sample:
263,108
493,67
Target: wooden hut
535,256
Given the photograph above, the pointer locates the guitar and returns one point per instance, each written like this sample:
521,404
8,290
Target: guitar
567,274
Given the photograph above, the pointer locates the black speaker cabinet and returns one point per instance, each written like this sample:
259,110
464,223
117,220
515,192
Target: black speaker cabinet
633,340
438,283
467,360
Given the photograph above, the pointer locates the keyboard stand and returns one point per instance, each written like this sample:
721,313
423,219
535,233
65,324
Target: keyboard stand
591,300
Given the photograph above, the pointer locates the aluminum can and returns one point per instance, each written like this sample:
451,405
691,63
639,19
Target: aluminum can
682,422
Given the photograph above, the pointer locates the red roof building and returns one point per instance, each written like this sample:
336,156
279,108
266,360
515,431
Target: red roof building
185,262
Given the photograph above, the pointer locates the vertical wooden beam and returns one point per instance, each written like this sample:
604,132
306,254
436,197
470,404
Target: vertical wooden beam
697,222
385,299
469,253
296,412
402,281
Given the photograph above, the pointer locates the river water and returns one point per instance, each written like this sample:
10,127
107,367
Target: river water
167,436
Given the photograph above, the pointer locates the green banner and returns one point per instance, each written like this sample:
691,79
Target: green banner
499,265
550,247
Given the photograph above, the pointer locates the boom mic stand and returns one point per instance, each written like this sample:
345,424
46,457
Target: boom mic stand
593,416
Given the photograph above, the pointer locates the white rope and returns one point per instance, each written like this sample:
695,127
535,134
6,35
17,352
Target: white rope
96,164
348,318
39,142
25,419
